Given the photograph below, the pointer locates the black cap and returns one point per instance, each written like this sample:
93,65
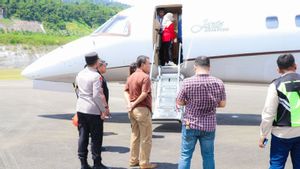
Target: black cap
91,58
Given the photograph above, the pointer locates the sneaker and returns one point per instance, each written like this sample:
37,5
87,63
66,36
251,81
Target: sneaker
134,164
148,166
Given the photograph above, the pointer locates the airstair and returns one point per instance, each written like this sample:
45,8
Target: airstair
165,88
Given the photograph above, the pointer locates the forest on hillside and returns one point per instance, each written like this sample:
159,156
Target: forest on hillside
54,14
62,20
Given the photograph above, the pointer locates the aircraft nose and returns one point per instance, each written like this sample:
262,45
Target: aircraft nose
60,64
42,67
30,72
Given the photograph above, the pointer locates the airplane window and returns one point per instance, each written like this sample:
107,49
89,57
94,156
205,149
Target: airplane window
297,20
272,22
118,25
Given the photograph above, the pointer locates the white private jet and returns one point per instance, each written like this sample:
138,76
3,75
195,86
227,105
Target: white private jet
242,38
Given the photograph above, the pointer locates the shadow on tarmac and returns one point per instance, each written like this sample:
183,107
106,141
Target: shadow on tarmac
166,165
109,134
161,166
222,119
157,136
116,149
58,116
169,127
117,117
238,119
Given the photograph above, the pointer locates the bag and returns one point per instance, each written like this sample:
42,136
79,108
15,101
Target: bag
75,117
75,120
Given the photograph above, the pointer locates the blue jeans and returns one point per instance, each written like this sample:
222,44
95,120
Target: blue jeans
280,149
189,140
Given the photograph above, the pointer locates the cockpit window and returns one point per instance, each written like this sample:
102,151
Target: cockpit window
118,25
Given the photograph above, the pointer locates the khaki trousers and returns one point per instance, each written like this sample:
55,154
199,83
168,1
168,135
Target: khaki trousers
141,135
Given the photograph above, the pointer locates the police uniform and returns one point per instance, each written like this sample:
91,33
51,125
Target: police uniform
90,105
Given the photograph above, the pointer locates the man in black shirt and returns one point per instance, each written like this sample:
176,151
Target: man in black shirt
101,71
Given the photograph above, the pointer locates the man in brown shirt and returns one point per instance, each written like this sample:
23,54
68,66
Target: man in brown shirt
139,100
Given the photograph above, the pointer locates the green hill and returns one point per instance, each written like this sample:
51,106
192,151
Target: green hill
61,21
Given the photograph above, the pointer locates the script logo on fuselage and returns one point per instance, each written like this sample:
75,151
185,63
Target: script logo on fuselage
210,26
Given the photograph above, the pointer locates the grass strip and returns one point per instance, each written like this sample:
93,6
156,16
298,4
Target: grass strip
11,74
34,39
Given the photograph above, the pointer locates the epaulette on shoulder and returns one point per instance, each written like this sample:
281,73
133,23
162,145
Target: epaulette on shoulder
75,85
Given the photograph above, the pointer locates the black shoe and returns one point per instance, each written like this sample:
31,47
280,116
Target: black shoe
101,166
86,167
84,164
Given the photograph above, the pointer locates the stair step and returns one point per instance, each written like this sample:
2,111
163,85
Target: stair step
161,113
169,69
169,75
168,85
167,95
167,109
168,92
167,103
167,82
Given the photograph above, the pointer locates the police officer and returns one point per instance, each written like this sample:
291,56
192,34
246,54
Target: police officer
281,115
91,107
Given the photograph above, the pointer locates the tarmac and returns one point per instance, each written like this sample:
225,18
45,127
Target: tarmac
36,131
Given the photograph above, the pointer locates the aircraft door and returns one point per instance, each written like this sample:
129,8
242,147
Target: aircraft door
162,54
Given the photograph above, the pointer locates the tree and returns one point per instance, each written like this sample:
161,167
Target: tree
55,13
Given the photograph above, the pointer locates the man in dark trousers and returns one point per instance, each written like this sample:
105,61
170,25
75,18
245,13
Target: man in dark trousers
281,115
101,70
91,107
